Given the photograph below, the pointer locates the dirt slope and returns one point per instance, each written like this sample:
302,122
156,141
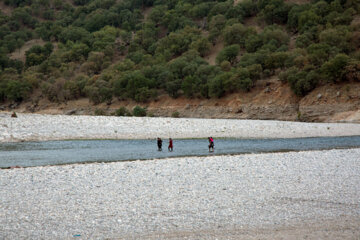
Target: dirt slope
269,99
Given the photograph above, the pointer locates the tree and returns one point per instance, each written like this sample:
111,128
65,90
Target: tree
302,82
104,37
202,45
38,54
253,43
334,69
135,81
240,80
75,34
308,19
336,37
216,84
216,26
201,10
319,53
17,90
229,53
173,87
189,86
236,34
276,12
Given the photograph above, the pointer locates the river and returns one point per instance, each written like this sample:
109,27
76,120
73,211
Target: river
28,154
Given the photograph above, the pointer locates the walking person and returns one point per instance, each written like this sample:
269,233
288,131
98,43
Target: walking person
159,143
211,144
170,147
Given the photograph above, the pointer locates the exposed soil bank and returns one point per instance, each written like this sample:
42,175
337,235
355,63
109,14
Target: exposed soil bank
269,99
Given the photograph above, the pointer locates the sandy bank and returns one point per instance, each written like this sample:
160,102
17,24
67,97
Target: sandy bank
37,127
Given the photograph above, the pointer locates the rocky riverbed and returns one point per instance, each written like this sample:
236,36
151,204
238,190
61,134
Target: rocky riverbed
292,195
40,127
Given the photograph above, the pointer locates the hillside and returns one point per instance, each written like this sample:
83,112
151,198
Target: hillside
288,60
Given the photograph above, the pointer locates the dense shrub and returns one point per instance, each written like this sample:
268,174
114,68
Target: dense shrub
139,111
100,49
99,112
302,82
352,71
38,54
122,111
175,114
228,54
334,69
17,90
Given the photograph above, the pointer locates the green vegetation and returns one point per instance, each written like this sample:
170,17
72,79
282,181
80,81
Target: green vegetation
108,49
123,111
139,111
175,114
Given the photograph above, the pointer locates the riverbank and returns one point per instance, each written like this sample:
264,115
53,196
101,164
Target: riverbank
42,127
313,194
269,99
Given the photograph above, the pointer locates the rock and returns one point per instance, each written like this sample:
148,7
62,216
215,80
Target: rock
319,96
71,112
239,110
30,108
14,105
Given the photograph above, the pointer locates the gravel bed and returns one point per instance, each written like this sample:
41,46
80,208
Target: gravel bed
37,127
164,198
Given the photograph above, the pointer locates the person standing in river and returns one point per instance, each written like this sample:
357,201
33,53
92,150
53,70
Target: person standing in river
159,143
211,144
170,147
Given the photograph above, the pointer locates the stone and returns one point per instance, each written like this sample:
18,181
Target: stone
319,96
71,112
239,110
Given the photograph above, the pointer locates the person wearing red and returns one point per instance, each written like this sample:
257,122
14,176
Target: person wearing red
211,144
170,147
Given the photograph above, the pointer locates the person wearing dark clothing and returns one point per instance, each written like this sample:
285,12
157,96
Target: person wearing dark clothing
159,143
211,144
170,147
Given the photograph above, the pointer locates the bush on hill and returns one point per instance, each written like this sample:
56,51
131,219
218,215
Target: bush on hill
106,49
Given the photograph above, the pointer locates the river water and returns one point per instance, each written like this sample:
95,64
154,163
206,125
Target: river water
26,154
